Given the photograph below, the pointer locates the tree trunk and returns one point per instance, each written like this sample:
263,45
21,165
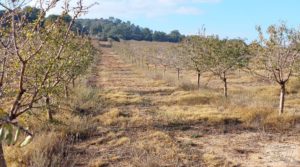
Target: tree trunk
2,159
66,91
165,69
224,79
225,87
3,72
199,75
78,31
178,74
282,98
73,82
49,109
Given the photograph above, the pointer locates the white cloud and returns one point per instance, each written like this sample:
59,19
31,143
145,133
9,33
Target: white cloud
188,10
127,9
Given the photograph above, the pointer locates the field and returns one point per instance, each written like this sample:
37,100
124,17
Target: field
78,90
152,120
125,113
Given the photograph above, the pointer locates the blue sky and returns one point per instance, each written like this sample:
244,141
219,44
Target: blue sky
227,18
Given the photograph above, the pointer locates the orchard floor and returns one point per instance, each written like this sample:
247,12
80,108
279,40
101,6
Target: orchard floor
137,127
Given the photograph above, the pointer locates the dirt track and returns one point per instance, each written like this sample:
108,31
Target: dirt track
138,137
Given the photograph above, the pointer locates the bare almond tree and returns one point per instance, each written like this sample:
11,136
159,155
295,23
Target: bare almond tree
176,58
276,56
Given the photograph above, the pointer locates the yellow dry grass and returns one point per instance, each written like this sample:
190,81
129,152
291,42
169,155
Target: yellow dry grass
158,143
179,114
212,160
37,152
115,117
119,141
120,98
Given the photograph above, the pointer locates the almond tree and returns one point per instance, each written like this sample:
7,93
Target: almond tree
153,56
148,57
196,53
276,56
75,60
163,58
224,56
125,49
26,73
176,57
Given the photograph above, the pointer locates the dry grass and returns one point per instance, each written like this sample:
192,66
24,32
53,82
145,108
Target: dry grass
250,108
117,98
194,100
157,148
267,118
155,75
187,115
52,140
98,163
116,117
294,86
119,142
211,160
49,149
186,107
85,100
187,85
203,97
169,78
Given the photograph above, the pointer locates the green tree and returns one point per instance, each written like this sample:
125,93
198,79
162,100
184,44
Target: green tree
137,33
66,18
147,34
31,13
118,29
160,36
175,36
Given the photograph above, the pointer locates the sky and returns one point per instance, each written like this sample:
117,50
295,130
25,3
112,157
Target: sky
226,18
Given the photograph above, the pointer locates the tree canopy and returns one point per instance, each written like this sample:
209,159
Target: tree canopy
117,29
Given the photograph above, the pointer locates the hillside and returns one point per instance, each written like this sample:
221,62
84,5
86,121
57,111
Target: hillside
117,29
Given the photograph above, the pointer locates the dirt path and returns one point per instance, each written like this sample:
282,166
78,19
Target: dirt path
132,133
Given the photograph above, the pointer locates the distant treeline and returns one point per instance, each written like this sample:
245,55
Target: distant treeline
104,29
117,29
